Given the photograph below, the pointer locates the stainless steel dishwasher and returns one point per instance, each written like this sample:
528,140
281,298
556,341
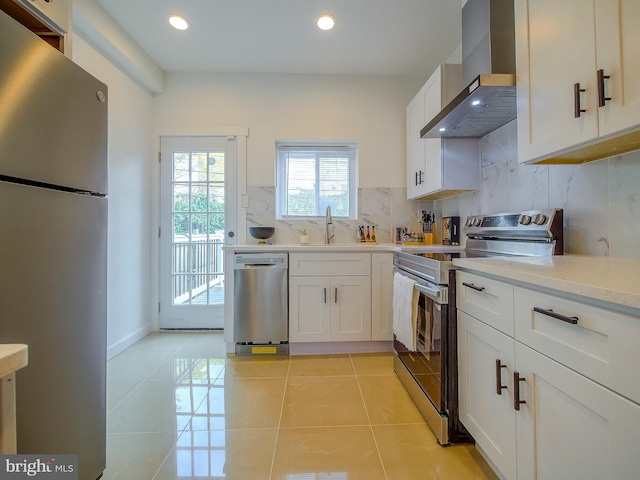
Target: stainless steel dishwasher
261,298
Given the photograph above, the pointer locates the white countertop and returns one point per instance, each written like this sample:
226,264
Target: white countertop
12,357
605,279
338,248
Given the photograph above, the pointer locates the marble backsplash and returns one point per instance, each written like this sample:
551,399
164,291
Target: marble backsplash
385,208
601,200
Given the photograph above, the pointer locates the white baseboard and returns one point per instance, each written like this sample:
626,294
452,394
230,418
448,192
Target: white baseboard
129,340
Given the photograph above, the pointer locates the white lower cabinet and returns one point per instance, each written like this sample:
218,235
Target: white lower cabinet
488,416
382,296
328,308
542,412
570,426
309,311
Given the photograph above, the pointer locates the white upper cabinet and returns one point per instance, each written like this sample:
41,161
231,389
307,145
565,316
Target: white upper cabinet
618,53
438,168
578,79
416,146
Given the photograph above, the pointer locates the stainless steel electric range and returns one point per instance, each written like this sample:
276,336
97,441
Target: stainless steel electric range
429,371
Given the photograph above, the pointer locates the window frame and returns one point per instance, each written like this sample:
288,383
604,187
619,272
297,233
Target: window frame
349,148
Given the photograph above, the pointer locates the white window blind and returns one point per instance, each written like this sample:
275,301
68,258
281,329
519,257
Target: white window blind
310,177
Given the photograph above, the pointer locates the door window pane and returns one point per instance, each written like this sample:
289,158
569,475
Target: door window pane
198,228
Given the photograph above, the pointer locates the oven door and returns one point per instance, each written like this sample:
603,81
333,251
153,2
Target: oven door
426,364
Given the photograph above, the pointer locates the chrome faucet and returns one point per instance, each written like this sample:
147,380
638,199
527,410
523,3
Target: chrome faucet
329,231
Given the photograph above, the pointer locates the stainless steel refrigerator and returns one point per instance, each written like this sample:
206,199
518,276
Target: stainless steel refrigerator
53,246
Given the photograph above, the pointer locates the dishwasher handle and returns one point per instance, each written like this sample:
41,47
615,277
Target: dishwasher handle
261,260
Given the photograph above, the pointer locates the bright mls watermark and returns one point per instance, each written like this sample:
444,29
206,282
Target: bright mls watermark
50,467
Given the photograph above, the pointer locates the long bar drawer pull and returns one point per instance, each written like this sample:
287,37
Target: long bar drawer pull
516,390
325,295
559,316
499,367
472,286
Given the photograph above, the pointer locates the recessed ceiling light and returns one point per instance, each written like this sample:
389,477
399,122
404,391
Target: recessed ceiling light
178,22
442,129
326,22
475,102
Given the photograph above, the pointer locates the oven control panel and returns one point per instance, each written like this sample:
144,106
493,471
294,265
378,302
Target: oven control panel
536,226
534,219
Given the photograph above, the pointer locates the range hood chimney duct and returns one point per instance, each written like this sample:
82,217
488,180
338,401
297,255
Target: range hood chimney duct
488,69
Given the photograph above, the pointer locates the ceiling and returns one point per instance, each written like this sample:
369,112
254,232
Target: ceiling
371,37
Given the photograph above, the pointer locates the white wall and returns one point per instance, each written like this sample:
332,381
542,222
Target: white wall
130,200
370,110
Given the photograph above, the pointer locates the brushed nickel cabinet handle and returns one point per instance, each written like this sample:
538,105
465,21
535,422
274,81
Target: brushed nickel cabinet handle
499,367
516,390
601,94
577,110
325,295
550,313
336,295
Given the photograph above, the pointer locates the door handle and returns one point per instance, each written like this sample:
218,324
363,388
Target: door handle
577,108
516,390
499,367
336,295
601,95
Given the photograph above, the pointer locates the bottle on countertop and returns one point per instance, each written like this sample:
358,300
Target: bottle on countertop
373,233
368,233
361,233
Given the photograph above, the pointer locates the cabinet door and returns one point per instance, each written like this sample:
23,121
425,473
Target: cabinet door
351,308
555,49
415,145
489,416
309,309
382,296
571,427
433,146
618,37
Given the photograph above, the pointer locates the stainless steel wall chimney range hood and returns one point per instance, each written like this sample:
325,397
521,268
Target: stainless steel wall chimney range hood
488,69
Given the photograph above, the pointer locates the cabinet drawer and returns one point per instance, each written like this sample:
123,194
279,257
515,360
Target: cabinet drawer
330,264
486,299
602,344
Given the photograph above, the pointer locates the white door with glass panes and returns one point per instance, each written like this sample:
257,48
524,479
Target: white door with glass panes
197,215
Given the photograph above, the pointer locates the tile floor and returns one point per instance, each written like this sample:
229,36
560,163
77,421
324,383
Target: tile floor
179,408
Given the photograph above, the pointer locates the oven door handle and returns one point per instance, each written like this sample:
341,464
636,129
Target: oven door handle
432,292
438,293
